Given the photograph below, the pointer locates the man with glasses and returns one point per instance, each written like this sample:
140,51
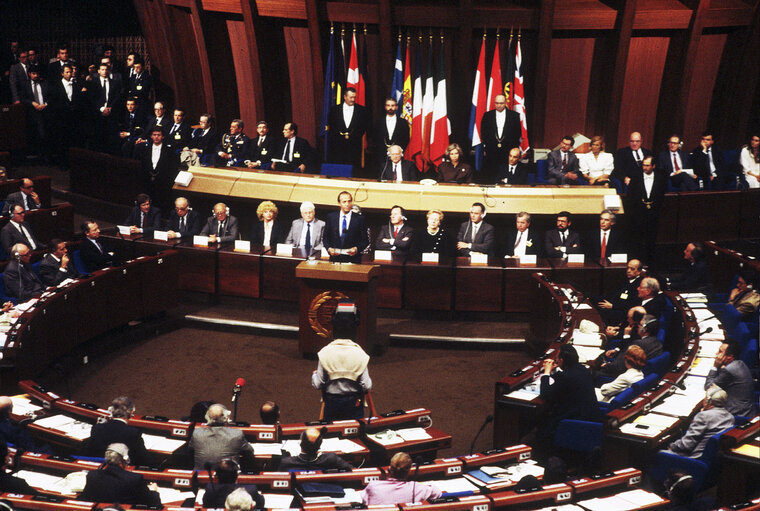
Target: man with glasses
26,197
18,231
183,221
676,163
628,160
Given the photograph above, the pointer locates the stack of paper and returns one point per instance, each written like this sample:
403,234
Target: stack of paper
459,485
648,425
629,500
679,405
708,348
277,500
70,426
584,339
161,443
410,434
45,482
694,297
267,449
173,496
701,366
586,353
23,406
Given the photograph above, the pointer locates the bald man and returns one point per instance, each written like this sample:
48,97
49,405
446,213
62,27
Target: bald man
628,159
310,458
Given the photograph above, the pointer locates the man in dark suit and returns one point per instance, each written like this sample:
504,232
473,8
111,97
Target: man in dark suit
500,131
396,169
562,241
606,240
66,100
56,266
159,166
646,193
563,167
295,152
95,253
18,231
131,127
475,235
696,277
524,240
514,172
26,197
233,148
179,132
613,308
158,119
262,148
144,218
183,221
36,96
112,483
55,67
710,166
388,131
226,473
347,124
396,236
18,77
628,160
203,140
18,277
345,232
221,226
117,430
673,161
646,340
104,94
139,84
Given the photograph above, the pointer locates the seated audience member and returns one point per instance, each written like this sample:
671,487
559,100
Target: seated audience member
26,197
713,419
709,164
397,169
183,221
514,172
56,266
239,500
635,359
673,161
112,483
555,471
454,170
9,483
10,431
18,231
221,227
562,164
116,430
647,340
309,458
681,490
627,328
397,489
270,413
750,161
629,160
214,442
523,240
434,239
203,140
597,165
342,373
179,133
233,148
295,153
268,231
614,307
262,147
226,474
19,278
734,377
562,241
306,232
476,235
605,241
96,253
144,218
397,235
743,297
345,236
651,299
696,278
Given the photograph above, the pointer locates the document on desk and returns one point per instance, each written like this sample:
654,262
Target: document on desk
715,335
564,507
161,443
455,485
410,434
339,445
702,314
386,437
584,339
173,496
267,449
701,366
708,348
54,421
46,482
678,405
68,425
528,392
586,353
350,495
644,430
694,297
656,420
626,501
747,450
278,500
23,406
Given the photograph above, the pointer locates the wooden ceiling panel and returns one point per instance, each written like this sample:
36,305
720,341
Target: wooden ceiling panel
346,12
231,6
293,9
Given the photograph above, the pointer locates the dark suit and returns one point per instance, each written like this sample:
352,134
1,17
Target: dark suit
696,279
622,300
593,243
39,121
152,220
354,236
139,88
117,431
701,163
134,124
55,68
626,165
572,244
518,177
571,396
236,146
382,140
21,282
301,154
18,198
264,152
557,174
165,122
651,346
159,179
206,142
532,245
193,223
216,494
484,239
94,259
11,235
683,182
105,125
13,484
402,242
497,149
230,230
655,306
344,143
114,484
325,461
18,77
643,214
408,171
179,136
448,173
65,116
51,273
277,235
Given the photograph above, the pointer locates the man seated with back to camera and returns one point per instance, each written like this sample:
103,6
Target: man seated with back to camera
56,266
8,482
397,489
112,483
341,372
270,413
116,430
215,442
226,474
310,458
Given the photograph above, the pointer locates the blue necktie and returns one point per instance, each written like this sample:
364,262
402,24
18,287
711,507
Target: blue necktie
343,231
307,243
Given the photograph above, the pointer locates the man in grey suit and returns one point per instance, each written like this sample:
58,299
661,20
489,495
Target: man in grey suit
475,235
733,376
713,419
221,227
309,238
215,442
563,166
396,236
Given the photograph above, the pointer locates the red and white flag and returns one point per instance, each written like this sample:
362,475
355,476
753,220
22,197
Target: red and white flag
355,78
428,103
414,149
519,100
440,131
495,86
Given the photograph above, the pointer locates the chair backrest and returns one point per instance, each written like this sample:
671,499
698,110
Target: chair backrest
731,317
541,166
658,365
711,447
336,169
749,354
645,383
622,398
78,264
740,333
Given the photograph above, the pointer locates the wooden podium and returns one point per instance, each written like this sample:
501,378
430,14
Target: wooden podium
322,284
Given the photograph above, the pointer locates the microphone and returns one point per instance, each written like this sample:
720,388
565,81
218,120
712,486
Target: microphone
489,418
382,172
238,388
678,384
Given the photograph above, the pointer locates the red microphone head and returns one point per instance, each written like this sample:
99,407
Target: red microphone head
240,382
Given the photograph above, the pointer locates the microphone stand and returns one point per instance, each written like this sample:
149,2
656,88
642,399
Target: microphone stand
235,395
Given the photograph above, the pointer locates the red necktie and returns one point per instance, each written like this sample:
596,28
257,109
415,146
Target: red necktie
675,163
604,245
395,232
564,161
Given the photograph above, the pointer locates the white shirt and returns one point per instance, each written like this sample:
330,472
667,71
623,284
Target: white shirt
267,232
68,87
340,221
25,198
104,83
155,154
307,226
749,164
593,167
637,154
648,183
348,114
397,169
601,236
501,118
390,124
708,152
521,240
677,157
25,233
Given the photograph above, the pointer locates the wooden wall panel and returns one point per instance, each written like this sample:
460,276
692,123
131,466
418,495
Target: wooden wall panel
191,95
646,61
231,6
242,62
567,88
222,72
704,78
294,9
301,81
